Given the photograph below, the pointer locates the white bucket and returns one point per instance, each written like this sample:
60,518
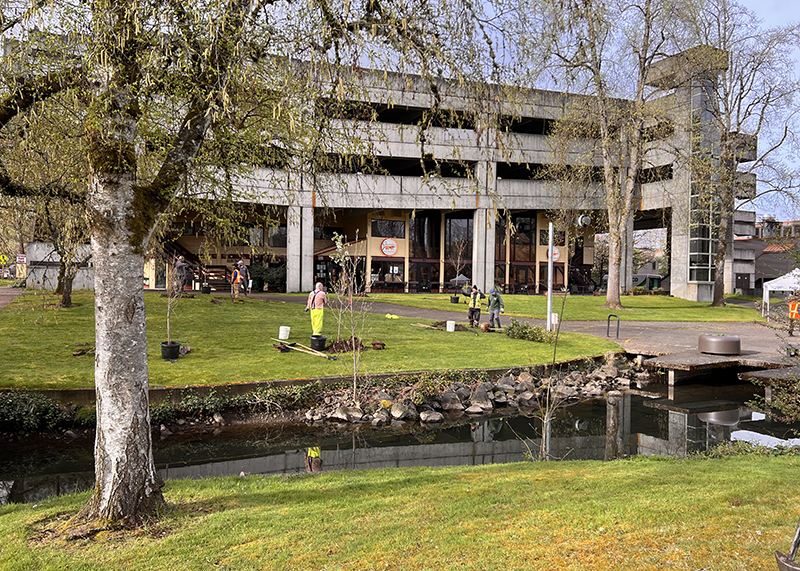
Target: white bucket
284,333
451,326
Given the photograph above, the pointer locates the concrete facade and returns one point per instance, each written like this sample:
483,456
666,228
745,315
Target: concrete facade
487,180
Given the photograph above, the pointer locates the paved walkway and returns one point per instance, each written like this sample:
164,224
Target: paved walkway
645,337
8,294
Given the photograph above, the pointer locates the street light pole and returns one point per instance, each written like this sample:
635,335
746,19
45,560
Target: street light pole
550,277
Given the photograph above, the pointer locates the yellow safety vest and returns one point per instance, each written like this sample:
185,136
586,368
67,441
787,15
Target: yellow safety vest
313,452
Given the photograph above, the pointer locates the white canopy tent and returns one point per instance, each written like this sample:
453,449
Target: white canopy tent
789,283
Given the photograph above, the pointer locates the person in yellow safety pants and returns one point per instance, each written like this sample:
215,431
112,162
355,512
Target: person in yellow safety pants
316,303
313,459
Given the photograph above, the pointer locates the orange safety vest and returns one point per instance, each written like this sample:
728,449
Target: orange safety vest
236,277
794,310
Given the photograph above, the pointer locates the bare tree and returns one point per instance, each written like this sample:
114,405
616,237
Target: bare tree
610,47
753,111
351,310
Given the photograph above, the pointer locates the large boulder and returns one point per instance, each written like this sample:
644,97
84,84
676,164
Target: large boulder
403,412
451,402
474,409
564,391
430,416
525,377
481,398
527,400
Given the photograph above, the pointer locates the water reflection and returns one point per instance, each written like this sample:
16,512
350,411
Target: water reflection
696,418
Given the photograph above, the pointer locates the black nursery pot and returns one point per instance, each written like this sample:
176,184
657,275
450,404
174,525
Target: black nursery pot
170,351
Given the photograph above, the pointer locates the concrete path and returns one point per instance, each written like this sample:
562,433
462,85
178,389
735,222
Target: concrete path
638,337
8,294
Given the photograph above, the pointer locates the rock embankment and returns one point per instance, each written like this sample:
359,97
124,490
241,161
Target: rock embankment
524,391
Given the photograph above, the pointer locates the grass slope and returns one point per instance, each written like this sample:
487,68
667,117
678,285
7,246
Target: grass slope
232,343
723,514
590,308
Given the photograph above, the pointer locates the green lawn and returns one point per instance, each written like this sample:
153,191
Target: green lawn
589,308
231,343
647,514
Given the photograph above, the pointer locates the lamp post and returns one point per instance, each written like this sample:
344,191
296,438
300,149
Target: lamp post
550,277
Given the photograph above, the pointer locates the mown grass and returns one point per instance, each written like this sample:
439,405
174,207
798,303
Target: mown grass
590,308
722,514
232,343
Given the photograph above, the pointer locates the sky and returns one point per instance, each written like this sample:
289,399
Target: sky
776,13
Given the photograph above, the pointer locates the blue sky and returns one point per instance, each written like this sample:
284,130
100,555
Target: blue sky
774,12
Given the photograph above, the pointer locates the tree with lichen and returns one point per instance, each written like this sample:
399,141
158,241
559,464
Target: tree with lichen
605,49
200,100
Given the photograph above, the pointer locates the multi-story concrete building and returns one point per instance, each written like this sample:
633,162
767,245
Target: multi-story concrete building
467,199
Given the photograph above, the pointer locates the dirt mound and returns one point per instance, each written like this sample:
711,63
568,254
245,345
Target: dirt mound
346,345
443,325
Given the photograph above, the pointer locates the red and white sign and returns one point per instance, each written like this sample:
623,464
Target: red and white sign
556,253
22,259
389,246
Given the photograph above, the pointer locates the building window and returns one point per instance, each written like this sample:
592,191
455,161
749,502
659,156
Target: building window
388,228
277,236
458,236
424,229
524,238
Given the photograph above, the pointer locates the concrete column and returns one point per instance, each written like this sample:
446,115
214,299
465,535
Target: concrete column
483,242
299,248
294,245
307,250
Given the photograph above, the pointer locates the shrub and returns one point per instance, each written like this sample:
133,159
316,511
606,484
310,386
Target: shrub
19,283
29,411
519,330
86,416
262,275
162,413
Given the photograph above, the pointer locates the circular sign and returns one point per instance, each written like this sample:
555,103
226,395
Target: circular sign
556,253
389,246
3,259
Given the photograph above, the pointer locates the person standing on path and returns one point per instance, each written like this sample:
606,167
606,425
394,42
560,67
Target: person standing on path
475,307
494,303
316,303
236,280
246,282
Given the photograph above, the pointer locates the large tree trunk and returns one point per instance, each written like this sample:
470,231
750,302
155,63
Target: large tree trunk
66,289
725,219
613,300
127,483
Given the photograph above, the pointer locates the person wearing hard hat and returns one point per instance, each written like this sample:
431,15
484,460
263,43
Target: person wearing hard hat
474,307
495,306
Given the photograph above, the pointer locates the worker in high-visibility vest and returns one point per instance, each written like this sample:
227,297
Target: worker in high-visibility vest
794,313
236,280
